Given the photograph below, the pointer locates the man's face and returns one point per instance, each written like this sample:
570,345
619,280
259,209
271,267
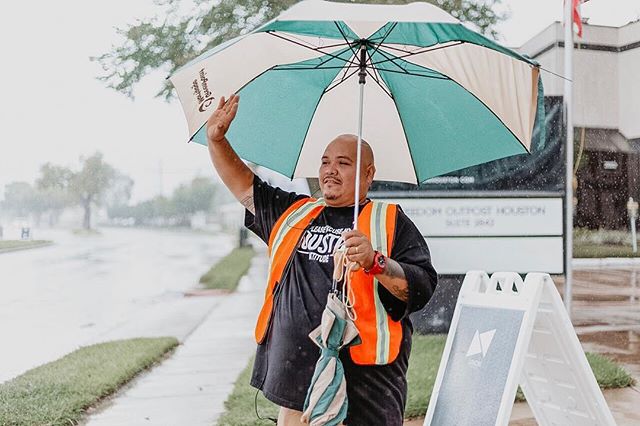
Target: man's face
337,173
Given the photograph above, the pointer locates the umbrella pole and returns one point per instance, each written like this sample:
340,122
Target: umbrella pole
362,74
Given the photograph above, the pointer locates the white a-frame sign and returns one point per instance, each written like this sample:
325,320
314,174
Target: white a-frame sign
506,333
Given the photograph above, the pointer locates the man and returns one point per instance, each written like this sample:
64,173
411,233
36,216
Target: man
300,278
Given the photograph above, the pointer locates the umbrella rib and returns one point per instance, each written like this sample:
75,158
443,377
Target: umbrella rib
418,52
389,58
404,71
315,49
341,81
380,84
285,68
444,77
382,41
375,76
352,62
302,42
344,36
330,46
327,60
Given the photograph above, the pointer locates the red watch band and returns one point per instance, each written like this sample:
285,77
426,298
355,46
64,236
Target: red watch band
379,264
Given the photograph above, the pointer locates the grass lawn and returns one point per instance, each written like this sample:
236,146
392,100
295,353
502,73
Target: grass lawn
603,250
226,274
12,245
59,392
423,368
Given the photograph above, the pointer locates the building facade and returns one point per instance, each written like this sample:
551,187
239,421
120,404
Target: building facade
606,112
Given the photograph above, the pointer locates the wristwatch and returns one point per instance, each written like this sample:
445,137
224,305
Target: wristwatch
379,264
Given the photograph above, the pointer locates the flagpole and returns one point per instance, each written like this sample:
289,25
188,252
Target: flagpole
568,115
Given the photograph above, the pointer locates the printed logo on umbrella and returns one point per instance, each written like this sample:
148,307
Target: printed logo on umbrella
201,91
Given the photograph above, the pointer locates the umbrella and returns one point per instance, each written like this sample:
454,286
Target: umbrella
326,402
440,98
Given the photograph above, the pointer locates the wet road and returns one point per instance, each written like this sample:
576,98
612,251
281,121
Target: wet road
57,298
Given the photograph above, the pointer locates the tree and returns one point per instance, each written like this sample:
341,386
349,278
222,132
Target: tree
53,189
119,193
186,200
170,39
20,199
90,184
195,197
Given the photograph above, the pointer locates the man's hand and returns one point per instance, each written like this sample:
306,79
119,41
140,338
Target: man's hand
359,248
220,120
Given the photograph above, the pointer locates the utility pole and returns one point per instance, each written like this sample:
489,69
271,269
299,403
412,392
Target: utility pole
568,116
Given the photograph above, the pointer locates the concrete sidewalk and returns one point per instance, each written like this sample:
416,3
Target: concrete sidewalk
191,386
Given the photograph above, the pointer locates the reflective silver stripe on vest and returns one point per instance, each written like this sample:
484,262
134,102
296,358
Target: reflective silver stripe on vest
378,228
293,219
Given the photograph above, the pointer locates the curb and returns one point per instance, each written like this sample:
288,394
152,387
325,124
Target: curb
35,246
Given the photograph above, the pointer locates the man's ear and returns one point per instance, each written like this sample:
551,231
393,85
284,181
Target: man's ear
371,172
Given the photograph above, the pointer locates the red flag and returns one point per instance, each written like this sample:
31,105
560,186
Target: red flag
577,19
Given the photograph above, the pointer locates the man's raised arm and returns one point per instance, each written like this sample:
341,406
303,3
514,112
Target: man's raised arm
232,170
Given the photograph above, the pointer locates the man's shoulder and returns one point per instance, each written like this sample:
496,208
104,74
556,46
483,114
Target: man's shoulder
274,198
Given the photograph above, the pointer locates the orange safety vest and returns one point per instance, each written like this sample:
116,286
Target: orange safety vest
381,336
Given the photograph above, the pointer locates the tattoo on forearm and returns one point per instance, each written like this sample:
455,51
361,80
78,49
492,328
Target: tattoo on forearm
401,293
396,281
247,202
394,271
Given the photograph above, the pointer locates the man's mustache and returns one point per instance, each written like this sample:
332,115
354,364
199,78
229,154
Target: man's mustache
331,179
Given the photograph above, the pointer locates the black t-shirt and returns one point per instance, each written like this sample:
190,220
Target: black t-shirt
285,363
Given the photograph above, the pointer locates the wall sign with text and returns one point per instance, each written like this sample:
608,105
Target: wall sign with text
492,234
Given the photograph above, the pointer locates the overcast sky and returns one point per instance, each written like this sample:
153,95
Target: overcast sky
52,109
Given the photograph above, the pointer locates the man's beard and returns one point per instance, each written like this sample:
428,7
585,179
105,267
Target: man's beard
330,197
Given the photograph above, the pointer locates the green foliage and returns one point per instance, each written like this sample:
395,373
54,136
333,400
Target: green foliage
53,188
58,187
59,392
609,374
119,192
187,199
226,274
194,197
90,183
50,193
183,30
20,198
